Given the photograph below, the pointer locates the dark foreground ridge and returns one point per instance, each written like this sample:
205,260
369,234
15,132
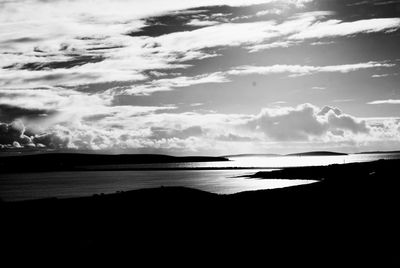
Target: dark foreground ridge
349,218
78,162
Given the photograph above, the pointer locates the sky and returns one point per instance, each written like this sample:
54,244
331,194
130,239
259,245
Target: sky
200,77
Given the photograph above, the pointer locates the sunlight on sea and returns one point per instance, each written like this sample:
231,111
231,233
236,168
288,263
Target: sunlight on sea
271,162
217,177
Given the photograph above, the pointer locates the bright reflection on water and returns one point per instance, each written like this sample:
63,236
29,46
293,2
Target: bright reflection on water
216,179
302,161
276,161
70,184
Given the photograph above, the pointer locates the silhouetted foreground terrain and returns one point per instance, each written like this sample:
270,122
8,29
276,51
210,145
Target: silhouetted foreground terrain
349,218
76,161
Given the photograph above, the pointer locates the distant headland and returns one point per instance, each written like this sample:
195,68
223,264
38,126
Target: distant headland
76,161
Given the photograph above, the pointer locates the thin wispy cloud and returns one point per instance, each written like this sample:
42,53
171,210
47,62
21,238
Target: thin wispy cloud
390,101
300,70
332,28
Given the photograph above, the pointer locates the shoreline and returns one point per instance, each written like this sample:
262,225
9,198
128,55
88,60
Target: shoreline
348,217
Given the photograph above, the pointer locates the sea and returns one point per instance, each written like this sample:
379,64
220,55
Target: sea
225,177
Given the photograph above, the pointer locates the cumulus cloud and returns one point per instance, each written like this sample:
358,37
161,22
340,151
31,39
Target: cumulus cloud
16,135
13,134
305,122
51,140
182,133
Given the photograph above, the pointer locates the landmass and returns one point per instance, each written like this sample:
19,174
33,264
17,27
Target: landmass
316,153
347,218
80,162
252,155
380,152
313,153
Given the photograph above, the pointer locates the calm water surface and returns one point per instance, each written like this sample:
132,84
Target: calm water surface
217,179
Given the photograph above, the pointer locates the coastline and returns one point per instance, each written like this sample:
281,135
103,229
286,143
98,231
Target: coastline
350,215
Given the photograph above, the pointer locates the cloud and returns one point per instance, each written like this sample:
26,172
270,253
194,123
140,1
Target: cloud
197,22
278,44
261,35
390,101
333,28
227,34
301,127
9,113
275,11
51,140
52,106
71,43
235,138
74,49
63,66
163,133
379,75
299,70
343,100
168,84
309,26
13,133
318,88
66,77
230,34
304,122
